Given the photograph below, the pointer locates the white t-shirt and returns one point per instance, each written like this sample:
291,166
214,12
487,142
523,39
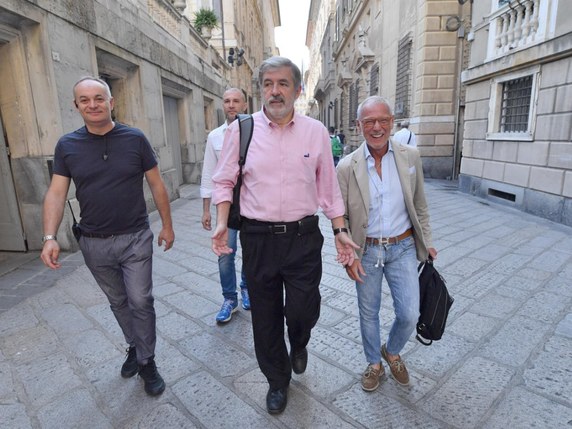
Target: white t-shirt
402,136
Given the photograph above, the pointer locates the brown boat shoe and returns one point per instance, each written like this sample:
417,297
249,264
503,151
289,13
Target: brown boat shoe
397,367
370,377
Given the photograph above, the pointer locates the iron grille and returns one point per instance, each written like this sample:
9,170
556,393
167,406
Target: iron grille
354,94
403,77
374,80
515,105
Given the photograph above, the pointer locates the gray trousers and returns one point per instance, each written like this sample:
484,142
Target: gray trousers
122,267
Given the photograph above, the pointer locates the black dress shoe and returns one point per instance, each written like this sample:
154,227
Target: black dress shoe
130,366
299,360
154,384
276,400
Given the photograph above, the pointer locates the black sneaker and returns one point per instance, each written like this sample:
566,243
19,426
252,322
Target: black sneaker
154,384
130,367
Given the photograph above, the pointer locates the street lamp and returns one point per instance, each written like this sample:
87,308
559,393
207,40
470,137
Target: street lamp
235,56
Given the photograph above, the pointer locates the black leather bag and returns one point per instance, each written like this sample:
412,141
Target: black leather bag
76,230
246,125
434,304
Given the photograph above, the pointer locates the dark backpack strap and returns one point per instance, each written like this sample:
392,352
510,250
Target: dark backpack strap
246,126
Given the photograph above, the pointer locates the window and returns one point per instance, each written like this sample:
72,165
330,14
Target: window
374,80
342,106
122,76
515,104
403,77
336,114
512,106
354,95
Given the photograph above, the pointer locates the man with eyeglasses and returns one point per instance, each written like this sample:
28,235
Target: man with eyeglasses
388,217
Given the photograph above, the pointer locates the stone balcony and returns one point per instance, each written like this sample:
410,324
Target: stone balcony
519,24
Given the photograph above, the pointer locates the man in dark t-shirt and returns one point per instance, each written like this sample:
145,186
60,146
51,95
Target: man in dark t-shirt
107,162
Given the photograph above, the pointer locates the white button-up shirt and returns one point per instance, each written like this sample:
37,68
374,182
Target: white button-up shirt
212,155
388,215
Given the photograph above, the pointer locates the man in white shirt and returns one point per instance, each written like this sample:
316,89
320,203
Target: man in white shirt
404,136
388,217
234,102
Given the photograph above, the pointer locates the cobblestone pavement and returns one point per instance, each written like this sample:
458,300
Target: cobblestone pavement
504,360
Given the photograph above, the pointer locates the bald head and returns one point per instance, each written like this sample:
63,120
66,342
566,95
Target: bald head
233,103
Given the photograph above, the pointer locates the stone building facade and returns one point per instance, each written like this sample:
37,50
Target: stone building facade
244,38
166,79
518,117
406,51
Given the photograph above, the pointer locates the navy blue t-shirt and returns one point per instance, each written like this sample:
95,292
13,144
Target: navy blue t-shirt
110,190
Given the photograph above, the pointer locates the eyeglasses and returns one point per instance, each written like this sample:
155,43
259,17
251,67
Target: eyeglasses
369,123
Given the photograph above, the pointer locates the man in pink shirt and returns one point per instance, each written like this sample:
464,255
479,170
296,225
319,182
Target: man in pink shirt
287,176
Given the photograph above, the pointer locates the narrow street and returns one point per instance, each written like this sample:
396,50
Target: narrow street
504,360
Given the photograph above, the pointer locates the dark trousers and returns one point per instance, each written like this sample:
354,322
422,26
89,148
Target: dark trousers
122,267
276,262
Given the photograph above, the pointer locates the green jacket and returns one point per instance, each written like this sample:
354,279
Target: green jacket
337,148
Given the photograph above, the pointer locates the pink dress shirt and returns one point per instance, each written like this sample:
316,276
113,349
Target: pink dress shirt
289,171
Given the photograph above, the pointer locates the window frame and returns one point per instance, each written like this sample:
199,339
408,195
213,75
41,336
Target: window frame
495,106
404,73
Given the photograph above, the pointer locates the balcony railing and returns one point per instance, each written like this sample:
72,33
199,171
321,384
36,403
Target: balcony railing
519,24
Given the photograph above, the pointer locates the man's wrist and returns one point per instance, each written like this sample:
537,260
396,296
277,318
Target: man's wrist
338,230
48,237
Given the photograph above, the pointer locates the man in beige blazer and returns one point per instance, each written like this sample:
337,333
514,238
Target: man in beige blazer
387,215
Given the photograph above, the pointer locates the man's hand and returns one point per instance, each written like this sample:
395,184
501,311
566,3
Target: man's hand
167,236
220,241
346,248
206,220
50,254
355,271
432,253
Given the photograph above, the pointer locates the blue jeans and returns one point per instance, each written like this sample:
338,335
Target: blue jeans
227,269
400,270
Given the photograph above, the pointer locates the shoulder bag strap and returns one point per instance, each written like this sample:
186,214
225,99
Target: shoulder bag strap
71,210
246,125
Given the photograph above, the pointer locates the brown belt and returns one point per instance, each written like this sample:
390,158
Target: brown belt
389,240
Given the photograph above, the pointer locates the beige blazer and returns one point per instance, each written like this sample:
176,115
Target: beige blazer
354,184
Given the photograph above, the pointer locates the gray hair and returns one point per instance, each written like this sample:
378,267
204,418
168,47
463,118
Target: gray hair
374,99
277,62
95,79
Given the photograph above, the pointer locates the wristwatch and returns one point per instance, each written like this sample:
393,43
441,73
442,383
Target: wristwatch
48,237
338,230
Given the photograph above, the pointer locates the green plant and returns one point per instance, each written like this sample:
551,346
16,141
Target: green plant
205,18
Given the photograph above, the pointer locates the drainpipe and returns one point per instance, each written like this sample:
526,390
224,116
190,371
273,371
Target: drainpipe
456,143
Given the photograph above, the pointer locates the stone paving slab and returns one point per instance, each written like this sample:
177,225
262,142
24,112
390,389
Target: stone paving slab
504,360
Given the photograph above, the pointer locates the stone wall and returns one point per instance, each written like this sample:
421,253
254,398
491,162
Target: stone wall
533,174
49,44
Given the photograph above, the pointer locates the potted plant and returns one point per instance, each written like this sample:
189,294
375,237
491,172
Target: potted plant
205,20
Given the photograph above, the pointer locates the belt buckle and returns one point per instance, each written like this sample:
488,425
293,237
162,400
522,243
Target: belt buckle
384,241
275,229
